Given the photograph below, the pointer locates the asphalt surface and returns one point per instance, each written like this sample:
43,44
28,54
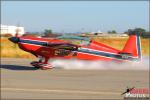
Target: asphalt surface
19,80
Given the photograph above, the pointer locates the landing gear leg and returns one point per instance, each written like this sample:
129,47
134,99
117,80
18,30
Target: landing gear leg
41,59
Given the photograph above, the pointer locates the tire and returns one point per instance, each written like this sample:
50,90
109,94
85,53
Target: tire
36,67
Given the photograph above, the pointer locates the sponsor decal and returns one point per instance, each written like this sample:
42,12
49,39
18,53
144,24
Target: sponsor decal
136,94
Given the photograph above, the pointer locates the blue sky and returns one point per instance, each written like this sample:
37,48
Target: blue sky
76,16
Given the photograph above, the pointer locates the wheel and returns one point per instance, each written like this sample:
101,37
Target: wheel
33,63
36,67
46,67
42,68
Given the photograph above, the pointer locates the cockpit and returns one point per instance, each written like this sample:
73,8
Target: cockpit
77,40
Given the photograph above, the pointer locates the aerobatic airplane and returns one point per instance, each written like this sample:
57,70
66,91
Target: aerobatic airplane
77,47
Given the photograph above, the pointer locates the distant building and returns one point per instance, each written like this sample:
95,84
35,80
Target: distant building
5,29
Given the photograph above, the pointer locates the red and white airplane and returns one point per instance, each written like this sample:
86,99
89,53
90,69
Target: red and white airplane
66,47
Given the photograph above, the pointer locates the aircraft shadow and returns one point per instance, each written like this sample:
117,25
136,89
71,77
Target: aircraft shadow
17,67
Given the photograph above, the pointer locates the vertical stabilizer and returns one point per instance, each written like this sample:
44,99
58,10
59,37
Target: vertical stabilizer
133,45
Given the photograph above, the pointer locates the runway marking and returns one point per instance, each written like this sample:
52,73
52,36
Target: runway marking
61,91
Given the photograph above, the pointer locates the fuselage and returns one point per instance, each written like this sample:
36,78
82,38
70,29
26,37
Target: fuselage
93,51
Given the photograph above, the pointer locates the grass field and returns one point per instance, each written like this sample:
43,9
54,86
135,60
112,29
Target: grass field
9,49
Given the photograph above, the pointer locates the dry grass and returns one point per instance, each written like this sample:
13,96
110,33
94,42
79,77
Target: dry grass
9,49
119,43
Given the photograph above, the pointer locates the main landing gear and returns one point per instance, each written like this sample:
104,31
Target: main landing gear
41,64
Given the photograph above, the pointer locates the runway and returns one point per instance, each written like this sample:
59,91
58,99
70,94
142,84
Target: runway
19,80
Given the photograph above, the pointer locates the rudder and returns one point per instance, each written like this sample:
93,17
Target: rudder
133,45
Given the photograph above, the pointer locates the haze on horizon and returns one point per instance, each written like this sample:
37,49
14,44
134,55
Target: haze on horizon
76,16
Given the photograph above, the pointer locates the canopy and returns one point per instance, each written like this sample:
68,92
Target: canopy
74,37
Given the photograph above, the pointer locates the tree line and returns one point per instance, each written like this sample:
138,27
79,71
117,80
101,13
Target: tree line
144,33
